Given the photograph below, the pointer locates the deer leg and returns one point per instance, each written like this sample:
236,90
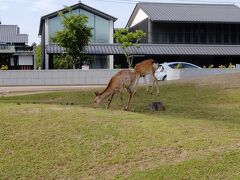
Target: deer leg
157,87
121,98
153,86
155,80
146,84
129,99
136,83
109,101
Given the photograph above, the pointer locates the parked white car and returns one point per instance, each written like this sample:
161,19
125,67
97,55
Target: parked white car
161,72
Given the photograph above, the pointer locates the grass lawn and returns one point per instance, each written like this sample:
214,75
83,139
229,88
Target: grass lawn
58,135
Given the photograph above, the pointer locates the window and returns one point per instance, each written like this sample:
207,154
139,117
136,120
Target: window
90,23
218,33
234,34
188,66
226,33
100,26
55,23
102,30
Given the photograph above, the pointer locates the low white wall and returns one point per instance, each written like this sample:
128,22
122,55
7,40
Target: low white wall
56,77
89,77
175,74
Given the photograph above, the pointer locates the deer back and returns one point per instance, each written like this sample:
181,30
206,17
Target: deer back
145,67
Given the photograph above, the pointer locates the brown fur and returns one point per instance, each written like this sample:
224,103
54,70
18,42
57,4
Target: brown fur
124,79
147,67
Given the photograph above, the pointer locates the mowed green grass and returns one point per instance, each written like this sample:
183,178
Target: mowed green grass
58,135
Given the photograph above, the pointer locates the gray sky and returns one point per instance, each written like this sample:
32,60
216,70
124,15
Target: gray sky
27,13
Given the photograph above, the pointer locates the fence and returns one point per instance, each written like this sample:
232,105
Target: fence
175,74
89,77
55,77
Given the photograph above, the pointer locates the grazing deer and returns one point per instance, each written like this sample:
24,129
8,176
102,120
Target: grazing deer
124,79
144,68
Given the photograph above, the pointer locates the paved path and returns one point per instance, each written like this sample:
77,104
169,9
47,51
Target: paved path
13,90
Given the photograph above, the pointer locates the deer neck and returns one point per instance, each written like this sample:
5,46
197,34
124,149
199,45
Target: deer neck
106,93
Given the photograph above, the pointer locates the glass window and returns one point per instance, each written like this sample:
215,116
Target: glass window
54,25
234,34
102,30
90,22
90,16
188,66
176,65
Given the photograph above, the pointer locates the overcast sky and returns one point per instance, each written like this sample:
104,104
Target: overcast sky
27,13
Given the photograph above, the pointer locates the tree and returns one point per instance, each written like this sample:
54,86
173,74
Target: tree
38,55
62,61
74,36
128,39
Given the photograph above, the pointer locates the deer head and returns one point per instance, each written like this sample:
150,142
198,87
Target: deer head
97,100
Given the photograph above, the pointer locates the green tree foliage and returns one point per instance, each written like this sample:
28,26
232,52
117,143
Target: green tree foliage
128,39
4,67
74,36
63,61
38,55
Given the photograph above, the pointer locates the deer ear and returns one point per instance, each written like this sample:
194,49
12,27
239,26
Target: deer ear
96,93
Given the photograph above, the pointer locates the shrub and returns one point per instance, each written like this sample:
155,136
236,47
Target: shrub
222,66
211,66
4,67
231,65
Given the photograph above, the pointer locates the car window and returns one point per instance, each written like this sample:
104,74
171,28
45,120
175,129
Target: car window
176,66
188,66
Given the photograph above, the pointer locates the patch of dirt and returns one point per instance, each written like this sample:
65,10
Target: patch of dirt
26,90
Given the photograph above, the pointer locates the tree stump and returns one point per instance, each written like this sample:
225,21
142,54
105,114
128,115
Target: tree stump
156,106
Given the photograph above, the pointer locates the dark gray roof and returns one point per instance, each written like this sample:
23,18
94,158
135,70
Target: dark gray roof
78,5
172,12
156,49
10,34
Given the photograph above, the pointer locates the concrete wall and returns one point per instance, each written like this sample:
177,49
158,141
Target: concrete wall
56,77
175,74
89,77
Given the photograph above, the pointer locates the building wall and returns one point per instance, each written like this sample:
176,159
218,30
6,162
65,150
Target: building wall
143,25
56,77
101,26
195,33
90,77
176,74
102,32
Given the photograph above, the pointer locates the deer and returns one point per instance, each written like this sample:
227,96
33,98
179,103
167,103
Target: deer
123,80
147,67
